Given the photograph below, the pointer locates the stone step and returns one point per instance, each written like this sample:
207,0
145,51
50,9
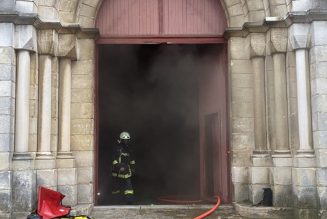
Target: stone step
162,212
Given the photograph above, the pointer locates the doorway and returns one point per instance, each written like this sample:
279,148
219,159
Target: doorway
155,92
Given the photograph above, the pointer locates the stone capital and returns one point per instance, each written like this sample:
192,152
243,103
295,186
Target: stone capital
258,44
67,46
278,40
25,37
299,36
47,42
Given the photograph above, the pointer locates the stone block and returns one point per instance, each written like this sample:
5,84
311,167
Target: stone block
319,36
70,192
47,178
241,192
82,126
278,39
25,37
258,43
85,193
322,177
304,176
240,175
261,160
318,86
237,21
256,16
86,49
235,10
83,67
242,141
322,193
242,109
242,157
83,81
241,125
23,190
5,142
86,22
5,201
282,160
318,53
299,36
254,5
6,33
321,155
241,66
26,6
320,139
82,96
8,72
5,159
6,88
5,180
82,142
242,94
7,55
5,105
65,162
306,197
7,5
82,111
306,213
46,162
282,196
87,11
67,176
239,48
5,123
48,13
256,192
282,175
259,175
85,175
47,42
278,10
84,158
241,80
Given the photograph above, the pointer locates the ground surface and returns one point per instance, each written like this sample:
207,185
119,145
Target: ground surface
161,212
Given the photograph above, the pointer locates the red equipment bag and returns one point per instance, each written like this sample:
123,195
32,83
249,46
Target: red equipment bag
49,204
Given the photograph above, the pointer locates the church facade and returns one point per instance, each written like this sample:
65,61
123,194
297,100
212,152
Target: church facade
276,100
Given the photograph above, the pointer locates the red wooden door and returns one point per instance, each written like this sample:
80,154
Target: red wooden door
213,117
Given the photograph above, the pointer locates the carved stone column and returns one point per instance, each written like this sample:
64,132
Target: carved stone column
304,171
23,193
45,163
67,174
282,159
261,161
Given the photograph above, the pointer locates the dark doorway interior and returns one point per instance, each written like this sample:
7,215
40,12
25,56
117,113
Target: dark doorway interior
152,92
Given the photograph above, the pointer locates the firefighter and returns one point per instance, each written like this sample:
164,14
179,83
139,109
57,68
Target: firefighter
123,167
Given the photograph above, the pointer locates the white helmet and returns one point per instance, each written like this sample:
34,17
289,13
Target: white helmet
124,135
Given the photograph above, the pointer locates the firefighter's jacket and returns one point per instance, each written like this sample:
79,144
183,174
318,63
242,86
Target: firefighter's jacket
123,163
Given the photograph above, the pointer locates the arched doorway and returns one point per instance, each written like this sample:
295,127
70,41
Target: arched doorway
162,75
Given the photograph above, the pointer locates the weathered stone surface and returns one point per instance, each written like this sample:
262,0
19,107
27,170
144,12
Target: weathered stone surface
47,42
256,192
242,80
242,109
84,158
242,141
7,5
24,190
67,176
82,142
306,197
82,126
239,48
5,201
85,193
322,177
283,196
70,192
259,175
6,33
306,214
5,180
241,192
84,175
47,178
5,159
67,46
26,6
240,125
240,175
82,81
282,175
5,123
320,139
299,36
304,176
82,67
321,157
322,193
25,37
82,110
278,39
48,13
319,36
5,142
83,95
86,49
242,94
8,72
258,44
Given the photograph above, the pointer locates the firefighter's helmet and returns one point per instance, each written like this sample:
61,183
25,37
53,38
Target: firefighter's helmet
124,135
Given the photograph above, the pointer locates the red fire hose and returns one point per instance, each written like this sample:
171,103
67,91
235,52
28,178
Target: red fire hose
210,211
